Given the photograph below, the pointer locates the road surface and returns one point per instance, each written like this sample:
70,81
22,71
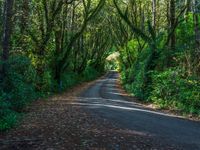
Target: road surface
105,100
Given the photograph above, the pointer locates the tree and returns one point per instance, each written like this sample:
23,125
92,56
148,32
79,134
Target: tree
196,12
7,25
154,14
172,19
89,14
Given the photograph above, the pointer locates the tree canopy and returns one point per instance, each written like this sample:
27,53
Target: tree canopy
50,45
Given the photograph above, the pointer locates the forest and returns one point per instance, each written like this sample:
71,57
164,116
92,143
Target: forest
48,46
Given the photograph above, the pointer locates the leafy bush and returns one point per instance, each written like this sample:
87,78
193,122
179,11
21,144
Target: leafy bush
90,73
19,83
172,90
69,79
19,87
7,117
47,83
17,90
138,76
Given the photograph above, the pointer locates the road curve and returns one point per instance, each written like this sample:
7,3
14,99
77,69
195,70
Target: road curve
105,100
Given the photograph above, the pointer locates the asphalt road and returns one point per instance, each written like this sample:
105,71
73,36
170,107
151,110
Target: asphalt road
105,100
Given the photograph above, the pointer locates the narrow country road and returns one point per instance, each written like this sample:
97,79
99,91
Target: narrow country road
104,99
97,116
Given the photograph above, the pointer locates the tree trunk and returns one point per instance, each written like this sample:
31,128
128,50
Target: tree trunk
171,41
196,24
142,15
196,11
24,16
1,19
24,24
154,14
188,4
172,24
7,29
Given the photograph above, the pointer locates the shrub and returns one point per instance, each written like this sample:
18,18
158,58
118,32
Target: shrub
69,79
90,73
172,90
19,83
138,76
47,83
19,87
8,118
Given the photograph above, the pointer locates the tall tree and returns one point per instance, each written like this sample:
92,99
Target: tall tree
172,23
7,30
154,12
196,12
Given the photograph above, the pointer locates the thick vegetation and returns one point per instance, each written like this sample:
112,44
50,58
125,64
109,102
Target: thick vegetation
51,45
48,46
160,52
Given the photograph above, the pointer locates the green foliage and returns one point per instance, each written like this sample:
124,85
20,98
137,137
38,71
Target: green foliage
44,54
137,77
19,87
111,65
47,83
47,54
18,90
69,79
8,118
172,90
20,82
166,69
90,73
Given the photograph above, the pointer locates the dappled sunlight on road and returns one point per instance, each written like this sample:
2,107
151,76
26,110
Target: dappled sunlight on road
108,100
116,93
99,103
112,100
105,99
